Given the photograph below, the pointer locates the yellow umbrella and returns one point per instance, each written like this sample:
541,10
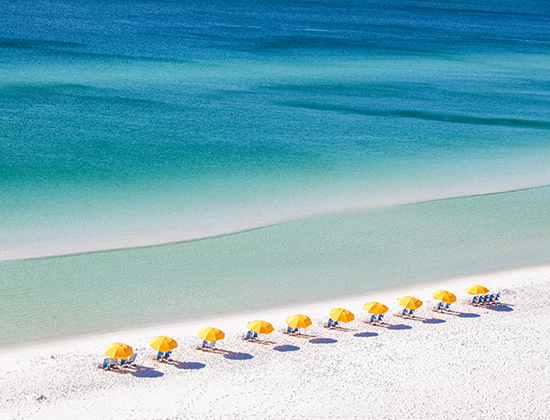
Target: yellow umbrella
260,327
375,308
119,351
211,334
341,315
298,321
444,296
476,289
163,343
409,302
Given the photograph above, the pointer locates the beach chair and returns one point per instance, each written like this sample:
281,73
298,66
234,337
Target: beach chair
497,297
159,356
167,355
438,308
371,320
130,361
248,336
402,314
473,301
336,324
112,363
411,312
380,318
255,336
212,345
104,365
447,307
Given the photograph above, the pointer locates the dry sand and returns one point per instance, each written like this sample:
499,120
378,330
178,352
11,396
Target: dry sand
476,362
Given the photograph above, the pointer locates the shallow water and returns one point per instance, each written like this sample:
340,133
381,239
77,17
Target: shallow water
313,258
124,119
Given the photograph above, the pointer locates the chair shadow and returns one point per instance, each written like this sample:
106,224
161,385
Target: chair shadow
189,365
301,335
286,347
145,372
433,321
398,327
236,355
343,329
499,308
365,334
264,342
321,340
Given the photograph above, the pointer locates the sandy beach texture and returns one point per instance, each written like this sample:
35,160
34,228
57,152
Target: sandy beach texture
475,362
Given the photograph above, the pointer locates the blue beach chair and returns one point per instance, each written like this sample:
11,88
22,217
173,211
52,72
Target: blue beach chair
159,356
372,319
439,307
255,336
105,364
497,297
411,312
167,355
380,317
447,306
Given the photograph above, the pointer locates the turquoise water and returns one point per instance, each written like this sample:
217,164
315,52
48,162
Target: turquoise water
313,258
124,119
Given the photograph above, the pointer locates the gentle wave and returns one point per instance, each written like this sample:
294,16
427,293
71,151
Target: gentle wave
430,116
165,238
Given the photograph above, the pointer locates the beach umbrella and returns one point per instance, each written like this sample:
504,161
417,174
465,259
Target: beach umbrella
376,308
476,289
163,343
298,321
341,315
444,296
211,334
260,327
409,302
119,351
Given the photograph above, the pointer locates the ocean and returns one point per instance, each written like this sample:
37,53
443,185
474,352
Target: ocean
350,146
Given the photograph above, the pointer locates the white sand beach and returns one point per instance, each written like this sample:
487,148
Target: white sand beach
475,362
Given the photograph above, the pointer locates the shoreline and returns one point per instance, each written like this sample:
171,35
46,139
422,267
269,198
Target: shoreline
354,303
469,361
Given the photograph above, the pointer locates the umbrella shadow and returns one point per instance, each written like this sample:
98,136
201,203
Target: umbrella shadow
322,340
232,355
189,365
433,321
500,308
398,327
146,372
365,334
465,314
286,347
